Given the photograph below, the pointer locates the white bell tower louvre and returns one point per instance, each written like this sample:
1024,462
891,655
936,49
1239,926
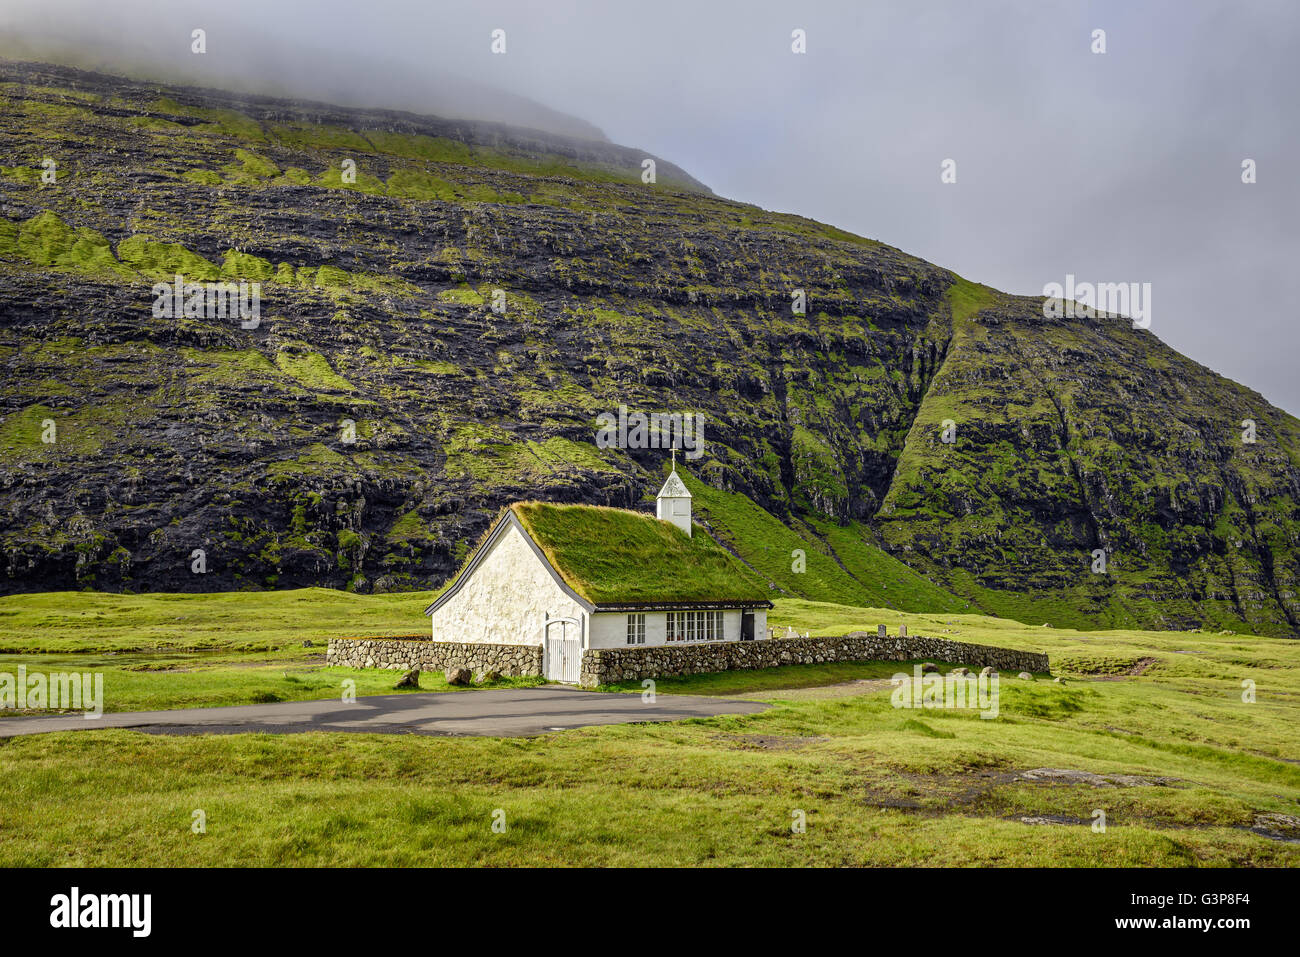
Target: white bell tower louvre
674,501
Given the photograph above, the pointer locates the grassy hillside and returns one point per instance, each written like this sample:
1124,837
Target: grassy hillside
441,332
1140,456
815,559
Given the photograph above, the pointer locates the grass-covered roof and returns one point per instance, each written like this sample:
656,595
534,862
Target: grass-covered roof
612,556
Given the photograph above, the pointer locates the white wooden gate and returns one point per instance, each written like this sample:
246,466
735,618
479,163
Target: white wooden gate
562,649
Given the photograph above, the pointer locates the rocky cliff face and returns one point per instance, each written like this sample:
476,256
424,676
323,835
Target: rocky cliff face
377,309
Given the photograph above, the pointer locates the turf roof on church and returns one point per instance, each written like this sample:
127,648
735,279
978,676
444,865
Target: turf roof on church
614,556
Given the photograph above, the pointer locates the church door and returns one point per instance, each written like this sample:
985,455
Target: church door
562,650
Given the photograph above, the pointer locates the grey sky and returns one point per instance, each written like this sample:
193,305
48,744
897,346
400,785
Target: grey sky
1117,167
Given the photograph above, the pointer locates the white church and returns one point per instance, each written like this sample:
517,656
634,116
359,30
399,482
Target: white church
573,577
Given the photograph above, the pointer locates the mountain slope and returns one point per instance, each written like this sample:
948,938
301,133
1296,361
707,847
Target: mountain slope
377,308
1080,436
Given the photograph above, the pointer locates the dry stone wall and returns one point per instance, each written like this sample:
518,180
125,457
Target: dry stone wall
610,665
406,654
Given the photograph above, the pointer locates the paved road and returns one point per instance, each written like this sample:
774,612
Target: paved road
502,713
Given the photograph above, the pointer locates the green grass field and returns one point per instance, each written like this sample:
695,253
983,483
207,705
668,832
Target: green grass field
1149,727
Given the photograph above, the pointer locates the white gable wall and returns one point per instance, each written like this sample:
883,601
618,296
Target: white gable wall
506,598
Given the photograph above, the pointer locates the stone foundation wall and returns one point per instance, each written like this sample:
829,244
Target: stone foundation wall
610,665
406,654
